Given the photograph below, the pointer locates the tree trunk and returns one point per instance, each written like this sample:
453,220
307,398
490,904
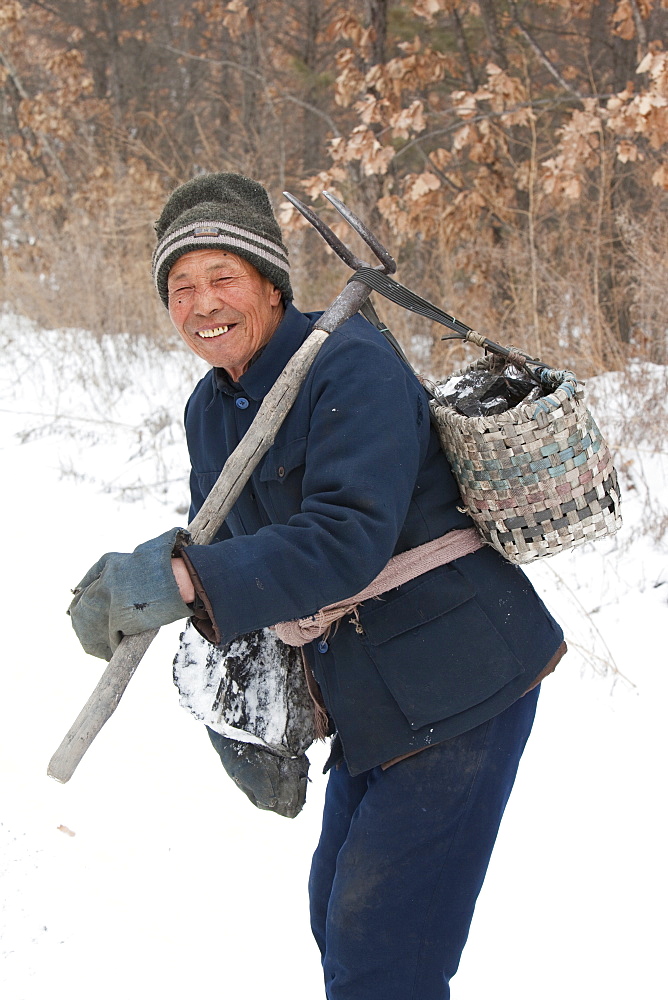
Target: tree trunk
376,16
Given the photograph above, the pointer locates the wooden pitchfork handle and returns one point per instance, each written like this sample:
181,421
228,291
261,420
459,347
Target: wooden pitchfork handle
235,474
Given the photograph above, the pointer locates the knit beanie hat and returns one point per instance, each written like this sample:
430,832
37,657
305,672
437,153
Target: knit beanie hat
221,212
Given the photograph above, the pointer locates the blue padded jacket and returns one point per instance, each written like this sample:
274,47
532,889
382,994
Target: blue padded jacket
356,475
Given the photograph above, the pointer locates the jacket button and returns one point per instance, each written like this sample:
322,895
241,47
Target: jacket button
241,402
281,470
323,646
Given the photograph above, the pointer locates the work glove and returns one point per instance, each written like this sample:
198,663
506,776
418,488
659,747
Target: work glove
128,592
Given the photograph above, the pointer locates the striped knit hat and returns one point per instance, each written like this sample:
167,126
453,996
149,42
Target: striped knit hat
221,212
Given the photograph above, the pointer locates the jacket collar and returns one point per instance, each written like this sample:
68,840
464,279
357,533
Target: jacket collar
271,360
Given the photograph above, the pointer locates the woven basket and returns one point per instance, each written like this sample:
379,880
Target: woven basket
536,479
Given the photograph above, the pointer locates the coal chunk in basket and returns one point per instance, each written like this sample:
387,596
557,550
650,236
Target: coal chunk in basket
485,393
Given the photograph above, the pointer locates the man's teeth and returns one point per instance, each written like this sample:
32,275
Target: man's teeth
216,332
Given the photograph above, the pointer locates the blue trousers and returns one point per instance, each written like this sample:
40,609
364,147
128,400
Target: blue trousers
402,857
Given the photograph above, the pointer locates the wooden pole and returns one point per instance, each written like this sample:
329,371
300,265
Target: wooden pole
235,474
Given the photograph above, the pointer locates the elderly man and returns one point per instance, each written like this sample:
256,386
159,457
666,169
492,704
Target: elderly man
432,688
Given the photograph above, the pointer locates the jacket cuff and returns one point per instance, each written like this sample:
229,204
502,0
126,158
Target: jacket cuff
202,612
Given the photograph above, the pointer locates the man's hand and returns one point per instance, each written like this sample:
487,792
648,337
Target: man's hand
129,592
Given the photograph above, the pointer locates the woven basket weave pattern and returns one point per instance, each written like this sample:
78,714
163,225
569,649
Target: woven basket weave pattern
536,479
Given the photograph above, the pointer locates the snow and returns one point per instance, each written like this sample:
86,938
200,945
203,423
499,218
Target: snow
149,874
270,701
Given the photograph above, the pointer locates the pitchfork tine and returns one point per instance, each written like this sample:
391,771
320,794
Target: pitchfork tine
344,252
383,255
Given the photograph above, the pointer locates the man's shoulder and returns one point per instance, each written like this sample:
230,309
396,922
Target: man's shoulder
356,327
202,393
358,344
355,334
205,384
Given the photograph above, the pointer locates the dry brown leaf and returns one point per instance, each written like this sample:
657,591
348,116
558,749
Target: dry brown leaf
660,177
419,185
408,121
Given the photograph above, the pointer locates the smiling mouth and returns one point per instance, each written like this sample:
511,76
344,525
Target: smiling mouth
217,331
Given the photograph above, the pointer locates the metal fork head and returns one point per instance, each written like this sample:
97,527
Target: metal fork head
387,262
386,259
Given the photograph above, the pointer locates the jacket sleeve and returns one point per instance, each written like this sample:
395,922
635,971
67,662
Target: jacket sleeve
367,436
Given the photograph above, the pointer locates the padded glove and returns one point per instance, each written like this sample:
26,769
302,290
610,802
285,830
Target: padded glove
128,592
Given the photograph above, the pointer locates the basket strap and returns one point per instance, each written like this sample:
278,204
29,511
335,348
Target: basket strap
367,310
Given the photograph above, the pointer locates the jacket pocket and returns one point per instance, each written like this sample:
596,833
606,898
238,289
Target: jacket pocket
281,478
435,648
281,461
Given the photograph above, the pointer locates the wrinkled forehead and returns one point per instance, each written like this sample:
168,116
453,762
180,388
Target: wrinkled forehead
205,261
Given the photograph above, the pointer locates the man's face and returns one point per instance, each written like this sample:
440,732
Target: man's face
223,308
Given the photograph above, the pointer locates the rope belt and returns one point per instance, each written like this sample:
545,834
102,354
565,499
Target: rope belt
400,569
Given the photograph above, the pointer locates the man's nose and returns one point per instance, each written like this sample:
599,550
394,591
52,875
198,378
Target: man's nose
208,298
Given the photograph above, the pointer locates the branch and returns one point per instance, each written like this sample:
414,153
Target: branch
50,10
236,472
257,76
439,173
67,19
451,184
41,138
464,50
641,30
104,700
487,9
488,116
542,55
313,109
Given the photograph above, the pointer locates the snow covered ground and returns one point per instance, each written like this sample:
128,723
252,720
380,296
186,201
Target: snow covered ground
150,875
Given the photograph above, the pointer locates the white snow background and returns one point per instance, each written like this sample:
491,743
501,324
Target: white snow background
150,875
